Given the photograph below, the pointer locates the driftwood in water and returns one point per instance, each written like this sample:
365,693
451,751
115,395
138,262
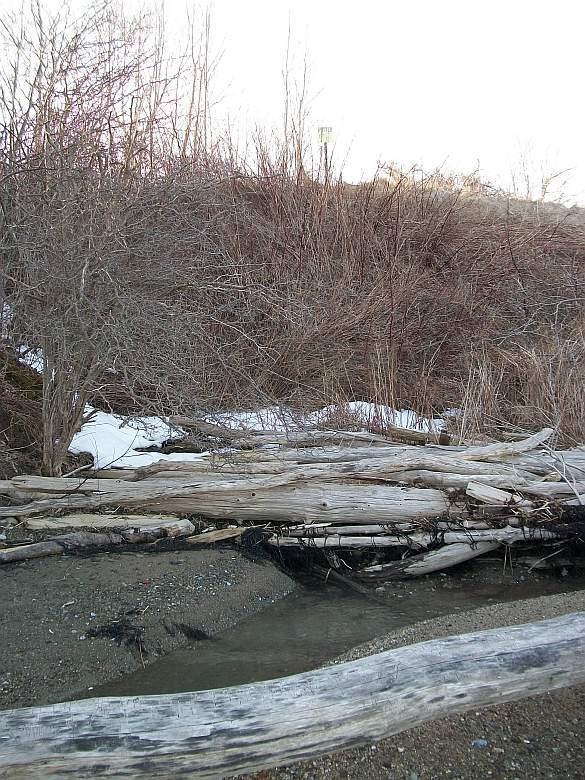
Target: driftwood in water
427,562
211,734
85,539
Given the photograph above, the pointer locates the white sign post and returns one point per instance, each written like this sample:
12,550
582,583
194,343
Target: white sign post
325,138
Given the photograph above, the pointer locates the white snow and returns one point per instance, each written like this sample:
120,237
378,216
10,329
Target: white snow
378,415
32,358
272,418
282,419
112,440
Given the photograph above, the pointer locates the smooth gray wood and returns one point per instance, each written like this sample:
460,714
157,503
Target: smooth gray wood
211,734
85,539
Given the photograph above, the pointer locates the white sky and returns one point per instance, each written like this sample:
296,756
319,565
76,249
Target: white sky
434,82
452,83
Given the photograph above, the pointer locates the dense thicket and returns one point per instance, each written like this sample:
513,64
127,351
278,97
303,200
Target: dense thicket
153,271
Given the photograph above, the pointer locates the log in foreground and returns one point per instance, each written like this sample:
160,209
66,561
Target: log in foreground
222,732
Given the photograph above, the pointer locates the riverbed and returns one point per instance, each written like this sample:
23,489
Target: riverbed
124,623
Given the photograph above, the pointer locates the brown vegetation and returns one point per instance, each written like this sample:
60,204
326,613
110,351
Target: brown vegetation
157,271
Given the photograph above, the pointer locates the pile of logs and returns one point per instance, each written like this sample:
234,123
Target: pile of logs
412,508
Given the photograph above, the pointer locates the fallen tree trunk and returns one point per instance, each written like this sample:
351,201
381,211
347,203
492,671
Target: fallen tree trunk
84,539
212,734
414,540
243,502
427,562
96,521
308,436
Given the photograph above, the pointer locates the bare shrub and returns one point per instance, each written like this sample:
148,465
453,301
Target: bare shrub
157,271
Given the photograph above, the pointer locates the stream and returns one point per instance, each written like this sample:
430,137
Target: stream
311,627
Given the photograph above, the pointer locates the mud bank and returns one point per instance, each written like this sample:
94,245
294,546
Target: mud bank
72,622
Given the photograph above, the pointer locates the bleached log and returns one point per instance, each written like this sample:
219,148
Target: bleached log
328,529
217,535
256,500
67,484
554,490
372,468
508,534
98,521
229,731
427,562
84,539
459,481
72,485
496,497
215,467
315,502
414,540
500,450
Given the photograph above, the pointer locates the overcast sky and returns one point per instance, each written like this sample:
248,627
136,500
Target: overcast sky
453,83
460,84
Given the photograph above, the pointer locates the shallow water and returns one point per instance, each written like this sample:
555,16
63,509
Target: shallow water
309,628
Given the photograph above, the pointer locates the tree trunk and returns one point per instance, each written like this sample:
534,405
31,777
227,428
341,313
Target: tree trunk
212,734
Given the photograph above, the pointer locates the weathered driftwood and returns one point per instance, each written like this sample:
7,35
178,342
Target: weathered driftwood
310,501
308,435
500,450
366,468
357,491
427,562
508,535
86,520
274,495
216,535
84,539
211,734
488,494
327,529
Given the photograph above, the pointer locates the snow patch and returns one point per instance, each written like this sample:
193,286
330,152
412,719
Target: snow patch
372,415
272,418
282,419
33,358
113,440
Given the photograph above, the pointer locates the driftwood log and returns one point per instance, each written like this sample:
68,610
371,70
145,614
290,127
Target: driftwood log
211,734
79,540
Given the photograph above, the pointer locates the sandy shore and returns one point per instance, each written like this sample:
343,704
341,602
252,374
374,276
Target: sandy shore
535,738
60,637
73,622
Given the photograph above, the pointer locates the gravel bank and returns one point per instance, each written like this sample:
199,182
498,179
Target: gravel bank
535,738
72,622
